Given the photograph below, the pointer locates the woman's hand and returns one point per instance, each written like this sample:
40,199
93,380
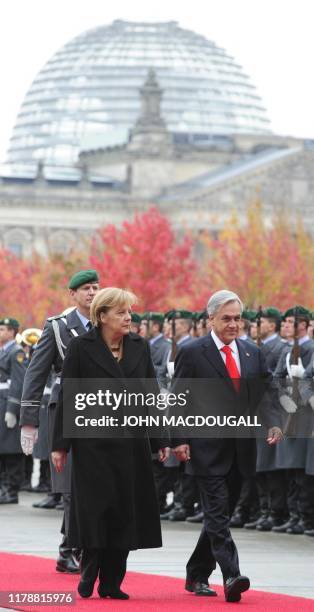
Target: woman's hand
59,459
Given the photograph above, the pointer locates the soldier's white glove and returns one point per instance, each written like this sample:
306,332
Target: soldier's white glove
10,420
29,436
297,371
170,368
311,402
288,404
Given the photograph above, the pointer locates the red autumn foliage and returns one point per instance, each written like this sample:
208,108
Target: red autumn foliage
145,257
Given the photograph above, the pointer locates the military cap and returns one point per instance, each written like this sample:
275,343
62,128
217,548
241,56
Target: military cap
298,311
82,277
10,322
203,314
136,318
179,314
250,315
271,313
157,317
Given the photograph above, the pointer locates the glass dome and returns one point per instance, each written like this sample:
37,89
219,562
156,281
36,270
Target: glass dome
87,95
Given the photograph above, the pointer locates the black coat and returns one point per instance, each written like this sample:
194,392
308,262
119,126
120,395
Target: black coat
200,359
114,501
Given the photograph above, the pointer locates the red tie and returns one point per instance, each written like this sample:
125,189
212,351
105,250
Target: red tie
231,367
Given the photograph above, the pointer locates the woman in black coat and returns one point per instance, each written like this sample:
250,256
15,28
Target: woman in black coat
114,507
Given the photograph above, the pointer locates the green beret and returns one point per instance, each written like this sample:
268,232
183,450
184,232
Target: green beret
9,322
82,277
179,314
250,315
271,313
203,314
298,311
136,318
157,317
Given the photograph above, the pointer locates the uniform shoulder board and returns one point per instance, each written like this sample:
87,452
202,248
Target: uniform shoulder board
60,316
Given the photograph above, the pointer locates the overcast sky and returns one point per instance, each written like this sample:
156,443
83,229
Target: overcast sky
272,39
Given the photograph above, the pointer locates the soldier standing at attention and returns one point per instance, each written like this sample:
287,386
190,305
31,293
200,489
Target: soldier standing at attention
50,352
12,372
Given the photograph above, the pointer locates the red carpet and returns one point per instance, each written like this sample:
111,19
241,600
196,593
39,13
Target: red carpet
148,593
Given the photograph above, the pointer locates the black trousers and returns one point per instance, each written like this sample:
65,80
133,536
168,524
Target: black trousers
219,495
12,470
107,563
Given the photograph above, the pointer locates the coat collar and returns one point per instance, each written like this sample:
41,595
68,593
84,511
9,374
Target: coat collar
133,351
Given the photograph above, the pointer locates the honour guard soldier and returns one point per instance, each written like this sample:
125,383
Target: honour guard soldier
159,346
12,372
50,352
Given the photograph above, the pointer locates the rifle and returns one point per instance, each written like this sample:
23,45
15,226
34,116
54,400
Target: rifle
173,340
258,326
290,427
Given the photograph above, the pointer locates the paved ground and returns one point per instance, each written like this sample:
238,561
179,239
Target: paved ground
278,563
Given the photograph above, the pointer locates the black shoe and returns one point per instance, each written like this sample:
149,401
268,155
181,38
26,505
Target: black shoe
237,520
296,529
257,521
104,591
48,502
233,588
85,588
309,532
26,486
59,505
42,487
202,589
9,498
269,523
165,515
68,565
180,514
196,518
283,528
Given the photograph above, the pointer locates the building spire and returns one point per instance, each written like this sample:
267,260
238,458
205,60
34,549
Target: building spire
150,132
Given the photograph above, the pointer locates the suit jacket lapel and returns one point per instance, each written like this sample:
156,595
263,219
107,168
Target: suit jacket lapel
211,353
244,355
74,322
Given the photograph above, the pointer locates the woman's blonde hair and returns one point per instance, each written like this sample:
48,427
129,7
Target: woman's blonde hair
107,298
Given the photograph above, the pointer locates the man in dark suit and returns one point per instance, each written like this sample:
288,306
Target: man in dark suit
219,463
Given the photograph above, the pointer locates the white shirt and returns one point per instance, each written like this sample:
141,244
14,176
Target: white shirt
233,346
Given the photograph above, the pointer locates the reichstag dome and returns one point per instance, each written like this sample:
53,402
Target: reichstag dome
87,95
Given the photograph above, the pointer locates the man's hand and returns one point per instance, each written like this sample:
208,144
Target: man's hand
59,459
274,435
10,420
288,404
29,436
182,452
163,454
297,371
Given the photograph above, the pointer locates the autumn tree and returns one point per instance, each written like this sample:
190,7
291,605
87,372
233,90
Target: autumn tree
146,257
269,266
